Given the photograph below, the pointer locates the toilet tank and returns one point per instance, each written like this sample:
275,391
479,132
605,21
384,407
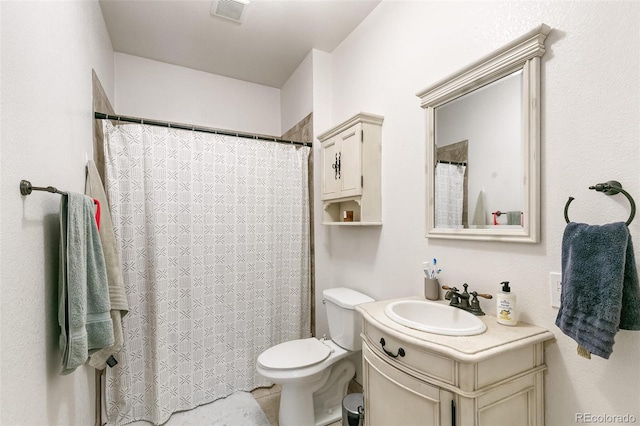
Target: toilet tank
345,324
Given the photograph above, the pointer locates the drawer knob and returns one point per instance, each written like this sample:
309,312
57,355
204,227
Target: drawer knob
400,351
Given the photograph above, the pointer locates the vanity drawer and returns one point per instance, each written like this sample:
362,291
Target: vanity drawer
415,359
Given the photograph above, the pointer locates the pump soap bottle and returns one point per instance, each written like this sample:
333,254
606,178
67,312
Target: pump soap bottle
506,306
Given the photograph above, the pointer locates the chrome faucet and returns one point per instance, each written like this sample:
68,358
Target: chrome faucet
461,300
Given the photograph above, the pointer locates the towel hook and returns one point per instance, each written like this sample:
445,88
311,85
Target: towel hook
611,187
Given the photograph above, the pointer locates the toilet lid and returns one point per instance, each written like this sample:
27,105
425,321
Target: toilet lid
294,354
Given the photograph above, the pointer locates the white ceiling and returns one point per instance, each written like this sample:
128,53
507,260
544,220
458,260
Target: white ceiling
266,48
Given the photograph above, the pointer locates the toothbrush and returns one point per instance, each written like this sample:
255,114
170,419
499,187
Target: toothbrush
427,270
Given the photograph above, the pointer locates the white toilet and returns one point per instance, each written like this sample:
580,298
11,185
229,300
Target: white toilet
315,374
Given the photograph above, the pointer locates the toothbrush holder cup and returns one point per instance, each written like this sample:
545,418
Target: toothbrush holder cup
431,289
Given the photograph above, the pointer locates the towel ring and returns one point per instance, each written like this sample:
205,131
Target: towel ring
611,187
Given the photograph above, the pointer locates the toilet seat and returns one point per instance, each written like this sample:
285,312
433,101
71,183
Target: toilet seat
294,354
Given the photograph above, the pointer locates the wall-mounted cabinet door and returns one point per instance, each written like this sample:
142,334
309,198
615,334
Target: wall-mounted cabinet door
351,161
342,164
330,169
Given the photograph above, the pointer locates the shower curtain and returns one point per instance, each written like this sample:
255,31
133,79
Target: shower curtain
449,195
214,236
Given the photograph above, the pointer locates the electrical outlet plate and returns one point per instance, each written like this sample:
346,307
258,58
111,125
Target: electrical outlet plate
555,285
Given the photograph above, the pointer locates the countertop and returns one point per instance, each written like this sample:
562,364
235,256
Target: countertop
496,339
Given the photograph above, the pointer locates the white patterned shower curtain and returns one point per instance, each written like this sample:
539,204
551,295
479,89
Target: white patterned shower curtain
449,195
214,236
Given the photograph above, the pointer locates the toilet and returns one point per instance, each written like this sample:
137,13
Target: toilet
315,373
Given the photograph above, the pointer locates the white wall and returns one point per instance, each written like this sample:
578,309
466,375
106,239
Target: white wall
322,121
296,95
590,134
48,50
157,90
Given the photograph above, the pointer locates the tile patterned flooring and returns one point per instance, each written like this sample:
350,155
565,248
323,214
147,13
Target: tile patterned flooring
269,401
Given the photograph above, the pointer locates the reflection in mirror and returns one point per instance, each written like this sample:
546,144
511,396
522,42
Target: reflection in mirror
478,157
483,146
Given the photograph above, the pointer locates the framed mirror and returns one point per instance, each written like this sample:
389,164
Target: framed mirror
483,146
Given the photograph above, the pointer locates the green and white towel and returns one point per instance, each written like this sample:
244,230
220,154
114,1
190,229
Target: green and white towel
83,296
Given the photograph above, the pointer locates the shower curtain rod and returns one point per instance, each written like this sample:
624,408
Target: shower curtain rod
102,116
455,163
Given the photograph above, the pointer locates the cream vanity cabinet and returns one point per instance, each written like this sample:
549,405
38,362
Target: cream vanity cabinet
350,167
492,379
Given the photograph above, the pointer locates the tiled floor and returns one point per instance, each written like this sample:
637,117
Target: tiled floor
269,400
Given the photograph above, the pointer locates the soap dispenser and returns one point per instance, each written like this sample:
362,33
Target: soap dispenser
506,306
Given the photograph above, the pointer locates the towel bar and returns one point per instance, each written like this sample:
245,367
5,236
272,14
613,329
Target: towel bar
26,188
611,187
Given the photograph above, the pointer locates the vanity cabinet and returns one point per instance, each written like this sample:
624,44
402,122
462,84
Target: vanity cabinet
401,399
350,171
419,378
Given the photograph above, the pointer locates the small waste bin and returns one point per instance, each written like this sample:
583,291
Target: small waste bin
353,410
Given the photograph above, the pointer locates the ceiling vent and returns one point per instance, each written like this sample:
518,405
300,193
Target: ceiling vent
233,10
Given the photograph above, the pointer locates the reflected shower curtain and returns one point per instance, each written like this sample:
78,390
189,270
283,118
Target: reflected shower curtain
449,195
214,236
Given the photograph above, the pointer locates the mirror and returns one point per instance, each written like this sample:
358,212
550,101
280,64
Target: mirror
483,146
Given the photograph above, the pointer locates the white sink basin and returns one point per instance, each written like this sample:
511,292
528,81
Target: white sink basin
434,318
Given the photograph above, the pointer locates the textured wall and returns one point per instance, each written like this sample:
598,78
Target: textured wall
296,95
590,134
156,90
48,51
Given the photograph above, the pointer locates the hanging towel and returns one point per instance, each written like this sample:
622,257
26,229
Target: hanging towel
600,290
117,295
83,311
514,218
97,203
480,213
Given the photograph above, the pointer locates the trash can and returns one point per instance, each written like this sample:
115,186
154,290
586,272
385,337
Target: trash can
353,410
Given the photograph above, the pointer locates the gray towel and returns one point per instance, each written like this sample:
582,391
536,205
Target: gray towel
117,295
600,290
83,312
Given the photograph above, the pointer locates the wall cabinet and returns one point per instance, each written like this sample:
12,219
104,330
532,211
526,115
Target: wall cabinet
492,379
350,171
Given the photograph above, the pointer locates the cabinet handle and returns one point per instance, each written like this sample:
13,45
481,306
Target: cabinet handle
400,351
336,166
453,412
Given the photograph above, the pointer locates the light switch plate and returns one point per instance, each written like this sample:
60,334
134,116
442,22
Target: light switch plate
555,285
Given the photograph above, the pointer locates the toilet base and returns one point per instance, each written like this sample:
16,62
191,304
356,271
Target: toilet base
327,401
318,402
